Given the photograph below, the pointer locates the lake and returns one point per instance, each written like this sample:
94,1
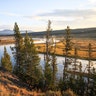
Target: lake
60,61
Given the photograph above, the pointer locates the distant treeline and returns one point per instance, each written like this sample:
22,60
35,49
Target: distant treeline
76,33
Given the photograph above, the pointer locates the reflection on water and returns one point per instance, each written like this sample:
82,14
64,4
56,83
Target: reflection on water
60,60
60,65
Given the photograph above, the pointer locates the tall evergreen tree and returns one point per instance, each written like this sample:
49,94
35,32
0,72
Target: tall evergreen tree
17,50
48,69
67,49
18,38
32,62
53,64
88,91
5,61
75,59
72,78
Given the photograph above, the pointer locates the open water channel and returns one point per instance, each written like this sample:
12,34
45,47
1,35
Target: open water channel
60,60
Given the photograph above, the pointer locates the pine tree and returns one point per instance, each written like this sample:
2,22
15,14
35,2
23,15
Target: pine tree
89,66
54,65
80,84
67,49
72,78
5,61
17,50
48,69
32,62
18,38
75,59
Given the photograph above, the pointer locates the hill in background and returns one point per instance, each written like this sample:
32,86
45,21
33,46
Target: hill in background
76,33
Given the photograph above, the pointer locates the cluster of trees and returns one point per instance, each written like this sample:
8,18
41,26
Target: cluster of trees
28,62
27,65
83,84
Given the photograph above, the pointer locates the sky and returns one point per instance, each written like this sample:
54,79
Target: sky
34,14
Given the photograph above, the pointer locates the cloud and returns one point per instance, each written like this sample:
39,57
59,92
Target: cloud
10,14
75,18
92,4
2,27
92,1
60,17
70,13
67,15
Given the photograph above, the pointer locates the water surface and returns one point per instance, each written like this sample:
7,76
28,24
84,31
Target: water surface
60,61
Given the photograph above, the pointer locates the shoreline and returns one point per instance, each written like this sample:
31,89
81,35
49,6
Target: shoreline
5,40
82,58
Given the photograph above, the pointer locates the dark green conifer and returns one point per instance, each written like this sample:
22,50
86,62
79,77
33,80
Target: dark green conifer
54,65
17,51
32,67
5,61
67,49
48,69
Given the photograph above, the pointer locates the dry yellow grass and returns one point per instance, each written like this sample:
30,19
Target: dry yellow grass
10,85
16,91
81,44
6,40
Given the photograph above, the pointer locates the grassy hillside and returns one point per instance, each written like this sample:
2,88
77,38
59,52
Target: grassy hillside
10,85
